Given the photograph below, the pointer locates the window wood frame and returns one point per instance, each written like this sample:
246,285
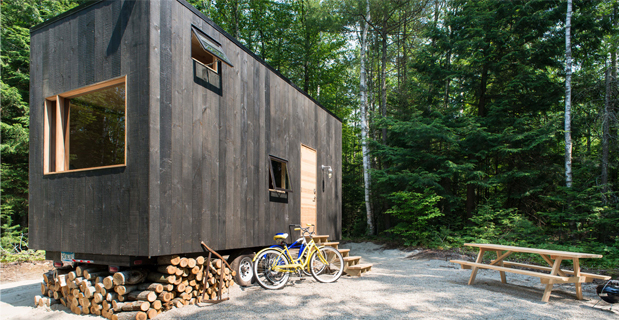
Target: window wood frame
56,131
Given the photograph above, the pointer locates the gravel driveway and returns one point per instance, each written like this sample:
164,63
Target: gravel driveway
397,287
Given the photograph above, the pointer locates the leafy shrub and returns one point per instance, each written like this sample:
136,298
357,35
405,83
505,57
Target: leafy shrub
415,213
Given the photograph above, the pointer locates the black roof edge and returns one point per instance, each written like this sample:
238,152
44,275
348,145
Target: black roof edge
235,41
207,20
64,14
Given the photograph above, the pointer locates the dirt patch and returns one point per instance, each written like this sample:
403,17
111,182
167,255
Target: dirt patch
430,254
18,271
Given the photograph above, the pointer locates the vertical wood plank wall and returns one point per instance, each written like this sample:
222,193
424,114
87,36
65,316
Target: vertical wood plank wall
197,162
213,168
99,211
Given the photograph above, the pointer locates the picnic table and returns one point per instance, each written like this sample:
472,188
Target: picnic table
553,273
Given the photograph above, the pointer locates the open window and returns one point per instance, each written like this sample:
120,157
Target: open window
279,182
208,57
206,50
85,128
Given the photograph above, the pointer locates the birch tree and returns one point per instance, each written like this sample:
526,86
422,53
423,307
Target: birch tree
364,124
568,143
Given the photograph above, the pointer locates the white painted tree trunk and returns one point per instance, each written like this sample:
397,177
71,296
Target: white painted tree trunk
568,142
364,111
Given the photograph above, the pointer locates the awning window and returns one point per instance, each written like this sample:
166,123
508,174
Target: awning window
211,46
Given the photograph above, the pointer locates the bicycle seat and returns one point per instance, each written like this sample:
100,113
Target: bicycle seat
280,236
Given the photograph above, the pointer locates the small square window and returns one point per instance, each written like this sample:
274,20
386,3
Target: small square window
279,182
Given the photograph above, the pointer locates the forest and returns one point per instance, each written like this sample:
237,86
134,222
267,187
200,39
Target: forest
463,121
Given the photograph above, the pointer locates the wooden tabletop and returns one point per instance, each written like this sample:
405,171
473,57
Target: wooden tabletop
532,250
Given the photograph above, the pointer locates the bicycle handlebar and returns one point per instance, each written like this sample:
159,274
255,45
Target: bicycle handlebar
303,230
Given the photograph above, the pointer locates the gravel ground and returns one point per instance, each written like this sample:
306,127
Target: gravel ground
397,287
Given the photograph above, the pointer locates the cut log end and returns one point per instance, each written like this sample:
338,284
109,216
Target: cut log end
151,313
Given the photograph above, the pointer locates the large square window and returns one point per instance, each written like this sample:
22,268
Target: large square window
86,128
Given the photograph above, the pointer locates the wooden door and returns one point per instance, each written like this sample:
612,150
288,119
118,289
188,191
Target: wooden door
308,186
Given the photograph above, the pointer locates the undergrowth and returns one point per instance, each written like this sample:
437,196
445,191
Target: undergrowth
14,248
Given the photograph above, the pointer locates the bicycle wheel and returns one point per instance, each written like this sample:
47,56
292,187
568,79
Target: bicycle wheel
264,271
329,271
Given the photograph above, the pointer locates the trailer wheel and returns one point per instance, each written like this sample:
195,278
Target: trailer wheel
243,268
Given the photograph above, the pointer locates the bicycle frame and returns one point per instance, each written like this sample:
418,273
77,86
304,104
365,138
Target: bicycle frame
297,244
296,264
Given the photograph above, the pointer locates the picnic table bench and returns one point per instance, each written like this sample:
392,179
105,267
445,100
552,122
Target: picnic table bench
552,257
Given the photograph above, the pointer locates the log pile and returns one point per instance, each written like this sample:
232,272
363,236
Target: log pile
137,293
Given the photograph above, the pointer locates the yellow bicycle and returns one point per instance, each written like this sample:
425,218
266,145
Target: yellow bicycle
273,266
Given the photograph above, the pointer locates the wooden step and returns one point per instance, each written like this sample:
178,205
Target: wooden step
318,238
358,269
351,261
331,244
344,252
351,258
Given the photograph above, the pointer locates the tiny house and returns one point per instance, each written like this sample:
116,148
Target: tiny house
152,130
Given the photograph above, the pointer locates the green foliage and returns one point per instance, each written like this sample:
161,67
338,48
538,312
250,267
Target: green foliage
16,19
482,128
26,255
13,244
491,224
417,214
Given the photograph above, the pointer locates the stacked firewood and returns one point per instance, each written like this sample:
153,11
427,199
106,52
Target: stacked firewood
138,293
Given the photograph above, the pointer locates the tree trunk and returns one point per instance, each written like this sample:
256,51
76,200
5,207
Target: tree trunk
471,200
122,290
129,277
605,140
446,96
161,278
149,296
483,89
383,81
405,61
157,287
568,142
236,17
364,124
137,315
134,306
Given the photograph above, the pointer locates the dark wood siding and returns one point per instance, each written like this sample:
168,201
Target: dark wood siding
197,160
212,149
99,211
